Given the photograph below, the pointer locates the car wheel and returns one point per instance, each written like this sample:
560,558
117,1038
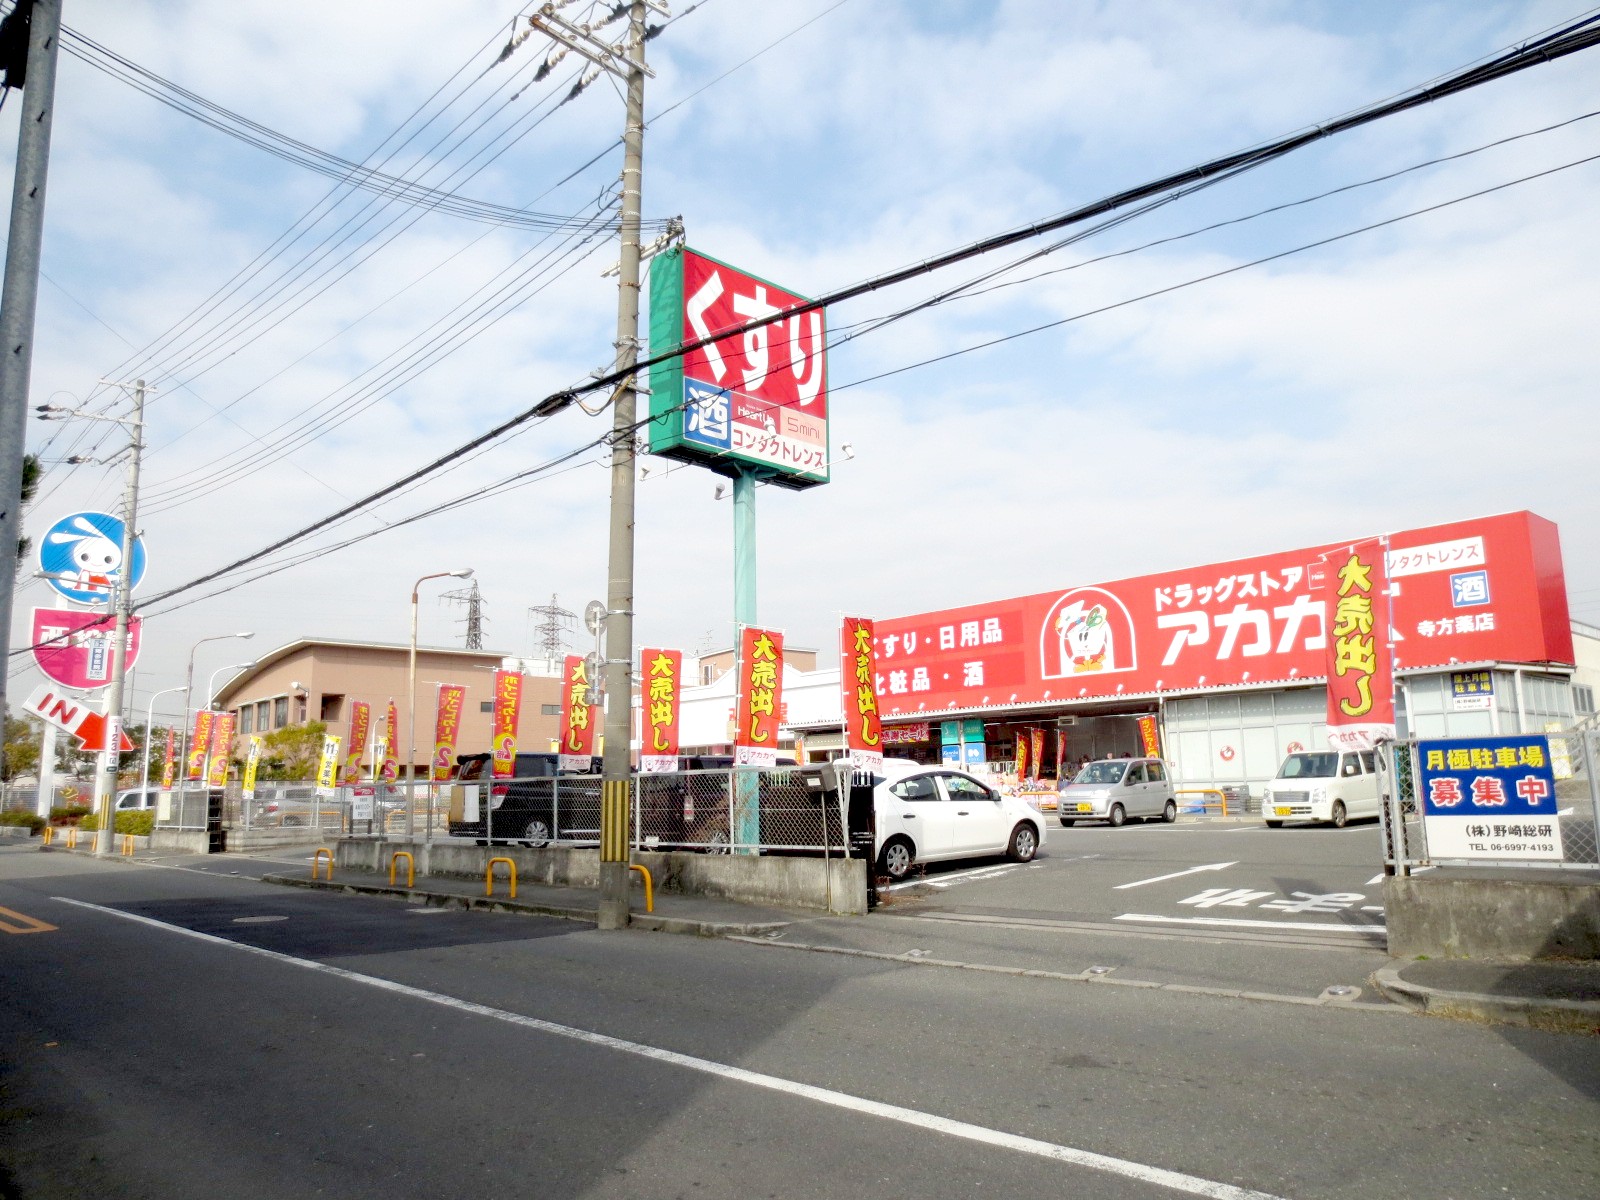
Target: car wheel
1118,816
1067,824
716,842
1340,818
1169,814
1024,843
537,832
896,859
1274,824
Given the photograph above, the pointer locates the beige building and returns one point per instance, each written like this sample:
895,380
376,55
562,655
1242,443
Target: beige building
317,680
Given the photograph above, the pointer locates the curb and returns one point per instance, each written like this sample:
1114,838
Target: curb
648,922
1552,1016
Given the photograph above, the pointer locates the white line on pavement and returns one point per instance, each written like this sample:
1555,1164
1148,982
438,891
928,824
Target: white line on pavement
1175,875
1194,1185
942,880
1368,930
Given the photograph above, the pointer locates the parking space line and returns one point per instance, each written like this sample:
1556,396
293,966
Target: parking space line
1177,1181
12,921
1375,929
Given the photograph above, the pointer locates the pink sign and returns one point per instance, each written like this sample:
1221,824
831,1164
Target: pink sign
73,646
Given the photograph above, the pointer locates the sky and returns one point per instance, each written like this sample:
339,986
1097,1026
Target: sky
306,343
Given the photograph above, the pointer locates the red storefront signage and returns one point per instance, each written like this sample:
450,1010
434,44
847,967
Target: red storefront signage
221,748
662,673
858,686
906,735
356,745
577,716
1360,670
73,646
1486,590
199,744
758,396
446,729
1149,737
507,708
757,711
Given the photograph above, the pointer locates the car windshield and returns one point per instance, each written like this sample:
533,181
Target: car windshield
1309,766
1102,772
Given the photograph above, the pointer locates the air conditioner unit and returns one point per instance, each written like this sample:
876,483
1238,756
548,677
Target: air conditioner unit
1066,721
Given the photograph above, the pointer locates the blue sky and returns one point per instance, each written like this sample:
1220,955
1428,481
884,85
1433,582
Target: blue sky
1446,361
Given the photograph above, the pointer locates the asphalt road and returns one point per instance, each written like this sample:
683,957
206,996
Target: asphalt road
175,1033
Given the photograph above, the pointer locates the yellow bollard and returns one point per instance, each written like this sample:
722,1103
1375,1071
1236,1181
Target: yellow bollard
649,887
49,834
127,845
488,876
316,862
411,867
72,838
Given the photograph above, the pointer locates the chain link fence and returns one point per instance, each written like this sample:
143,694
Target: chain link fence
1574,756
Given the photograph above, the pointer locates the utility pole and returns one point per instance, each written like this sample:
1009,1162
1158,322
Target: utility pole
105,785
627,63
42,20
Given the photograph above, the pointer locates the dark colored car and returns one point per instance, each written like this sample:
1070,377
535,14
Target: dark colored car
538,805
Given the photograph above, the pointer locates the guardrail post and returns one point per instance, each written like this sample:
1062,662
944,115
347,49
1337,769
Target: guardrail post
411,867
649,887
488,876
316,862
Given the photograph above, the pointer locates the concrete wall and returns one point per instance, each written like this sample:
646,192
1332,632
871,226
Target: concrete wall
766,879
184,841
1528,916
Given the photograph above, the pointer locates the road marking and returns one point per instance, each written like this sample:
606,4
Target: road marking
24,923
1175,875
1371,930
942,880
1177,1181
1375,879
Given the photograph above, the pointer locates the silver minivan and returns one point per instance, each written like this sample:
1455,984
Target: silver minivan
1115,789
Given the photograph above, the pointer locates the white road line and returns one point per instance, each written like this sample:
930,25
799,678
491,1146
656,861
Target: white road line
1194,1185
1175,875
941,880
1239,922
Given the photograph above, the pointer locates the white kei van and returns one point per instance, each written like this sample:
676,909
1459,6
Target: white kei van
1329,785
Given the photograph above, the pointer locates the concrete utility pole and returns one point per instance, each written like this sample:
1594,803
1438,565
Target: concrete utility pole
105,785
627,62
21,290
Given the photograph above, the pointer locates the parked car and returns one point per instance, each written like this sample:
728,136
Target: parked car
1115,789
534,807
137,799
1325,786
934,814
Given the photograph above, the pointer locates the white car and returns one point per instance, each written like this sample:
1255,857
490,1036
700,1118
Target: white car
934,814
1322,786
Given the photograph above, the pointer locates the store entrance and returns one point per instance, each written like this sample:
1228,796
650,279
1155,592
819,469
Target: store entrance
1090,738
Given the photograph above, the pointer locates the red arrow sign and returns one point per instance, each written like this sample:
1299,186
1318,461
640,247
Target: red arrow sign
89,727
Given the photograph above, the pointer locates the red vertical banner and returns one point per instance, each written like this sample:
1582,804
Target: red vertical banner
446,729
759,708
1036,759
1061,752
1360,661
662,674
1149,736
858,687
390,769
221,748
577,716
356,744
199,744
1020,765
507,708
169,768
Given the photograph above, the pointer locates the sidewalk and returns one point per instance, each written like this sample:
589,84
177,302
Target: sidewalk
1560,997
703,916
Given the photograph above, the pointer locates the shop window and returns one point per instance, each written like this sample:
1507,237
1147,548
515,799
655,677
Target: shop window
1301,702
550,710
1255,708
264,715
1224,708
1582,699
246,718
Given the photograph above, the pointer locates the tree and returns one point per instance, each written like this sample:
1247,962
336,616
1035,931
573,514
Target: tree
21,749
31,471
293,751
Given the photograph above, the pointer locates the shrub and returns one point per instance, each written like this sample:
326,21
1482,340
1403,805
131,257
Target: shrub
69,814
137,823
20,817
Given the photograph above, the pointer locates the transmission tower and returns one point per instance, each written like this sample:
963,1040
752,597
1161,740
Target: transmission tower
474,620
551,632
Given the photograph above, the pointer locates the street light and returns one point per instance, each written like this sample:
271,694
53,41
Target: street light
411,708
149,719
188,687
211,684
